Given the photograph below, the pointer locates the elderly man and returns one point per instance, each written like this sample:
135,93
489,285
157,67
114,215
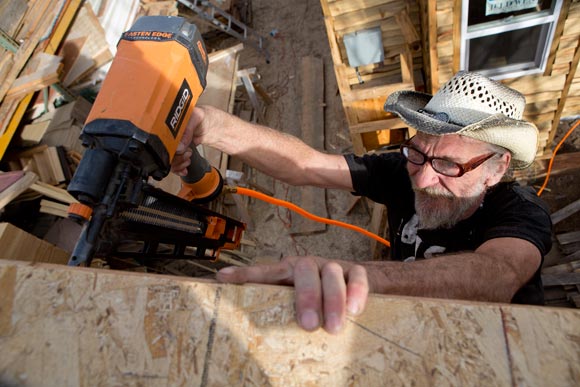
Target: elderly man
457,231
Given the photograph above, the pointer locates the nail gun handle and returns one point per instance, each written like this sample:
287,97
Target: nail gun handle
202,182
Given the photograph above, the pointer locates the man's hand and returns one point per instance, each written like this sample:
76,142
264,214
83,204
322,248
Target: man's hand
202,119
326,290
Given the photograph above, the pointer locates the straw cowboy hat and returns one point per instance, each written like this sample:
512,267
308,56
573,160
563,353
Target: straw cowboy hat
474,106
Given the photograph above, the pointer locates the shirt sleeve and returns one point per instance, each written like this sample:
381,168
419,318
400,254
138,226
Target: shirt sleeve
521,214
375,176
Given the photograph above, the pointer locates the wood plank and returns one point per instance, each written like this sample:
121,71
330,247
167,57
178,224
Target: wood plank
15,189
565,91
378,226
27,48
565,212
312,199
407,28
561,279
339,7
78,326
562,268
32,134
53,208
536,83
391,123
47,73
554,48
432,45
53,192
367,15
568,237
563,163
11,115
20,245
377,92
94,52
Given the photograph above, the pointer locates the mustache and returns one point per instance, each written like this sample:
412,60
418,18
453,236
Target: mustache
434,192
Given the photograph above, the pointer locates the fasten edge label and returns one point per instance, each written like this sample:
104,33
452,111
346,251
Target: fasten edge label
179,108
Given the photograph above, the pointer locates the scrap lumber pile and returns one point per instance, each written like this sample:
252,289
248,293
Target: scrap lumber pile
561,272
60,54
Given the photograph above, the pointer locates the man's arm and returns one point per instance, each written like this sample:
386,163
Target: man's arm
277,154
494,272
327,289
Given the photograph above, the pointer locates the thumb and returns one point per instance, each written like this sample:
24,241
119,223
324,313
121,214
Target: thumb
193,127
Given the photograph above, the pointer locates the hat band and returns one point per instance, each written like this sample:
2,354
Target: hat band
439,116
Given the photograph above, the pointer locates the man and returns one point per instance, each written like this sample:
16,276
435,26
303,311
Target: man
456,230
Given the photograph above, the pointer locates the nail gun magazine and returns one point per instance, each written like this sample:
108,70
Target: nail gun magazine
131,135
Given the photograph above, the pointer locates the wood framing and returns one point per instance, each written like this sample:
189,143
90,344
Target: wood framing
364,95
550,96
76,326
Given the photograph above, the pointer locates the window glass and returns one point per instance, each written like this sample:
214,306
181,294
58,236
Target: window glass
505,49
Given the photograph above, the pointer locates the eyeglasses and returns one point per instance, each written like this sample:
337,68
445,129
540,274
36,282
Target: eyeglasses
442,166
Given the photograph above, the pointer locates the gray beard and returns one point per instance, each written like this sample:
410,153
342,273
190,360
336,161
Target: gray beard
436,208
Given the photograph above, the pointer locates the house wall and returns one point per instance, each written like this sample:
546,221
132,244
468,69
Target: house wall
549,96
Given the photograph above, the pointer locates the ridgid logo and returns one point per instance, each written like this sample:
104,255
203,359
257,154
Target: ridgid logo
179,108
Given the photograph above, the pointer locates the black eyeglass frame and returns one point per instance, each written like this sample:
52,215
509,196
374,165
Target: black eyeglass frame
463,168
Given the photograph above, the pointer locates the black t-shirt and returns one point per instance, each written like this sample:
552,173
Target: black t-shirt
508,210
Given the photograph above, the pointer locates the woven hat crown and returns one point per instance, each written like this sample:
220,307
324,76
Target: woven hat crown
470,97
471,105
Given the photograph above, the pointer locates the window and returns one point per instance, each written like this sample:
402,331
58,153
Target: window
507,38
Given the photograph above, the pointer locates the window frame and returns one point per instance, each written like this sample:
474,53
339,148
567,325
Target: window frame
547,19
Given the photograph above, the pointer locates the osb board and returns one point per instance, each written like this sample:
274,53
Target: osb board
65,326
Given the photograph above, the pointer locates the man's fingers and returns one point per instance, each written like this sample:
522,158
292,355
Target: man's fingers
277,274
195,120
308,293
181,162
334,295
357,290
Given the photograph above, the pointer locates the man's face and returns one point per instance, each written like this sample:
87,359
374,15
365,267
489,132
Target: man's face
442,201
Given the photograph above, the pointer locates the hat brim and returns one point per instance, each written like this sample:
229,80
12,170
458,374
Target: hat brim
496,129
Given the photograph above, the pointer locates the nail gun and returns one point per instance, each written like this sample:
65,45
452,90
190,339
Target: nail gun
131,134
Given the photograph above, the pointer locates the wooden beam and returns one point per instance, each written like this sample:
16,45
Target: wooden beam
365,127
562,102
312,199
565,212
432,44
377,92
18,244
78,326
11,192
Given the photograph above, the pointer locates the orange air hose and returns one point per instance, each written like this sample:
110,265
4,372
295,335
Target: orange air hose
554,155
306,214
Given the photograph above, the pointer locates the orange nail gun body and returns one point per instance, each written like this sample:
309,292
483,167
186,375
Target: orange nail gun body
132,133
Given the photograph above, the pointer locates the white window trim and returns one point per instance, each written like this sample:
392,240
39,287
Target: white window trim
498,26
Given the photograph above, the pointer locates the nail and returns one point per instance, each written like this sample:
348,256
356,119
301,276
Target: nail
333,323
309,320
180,148
352,307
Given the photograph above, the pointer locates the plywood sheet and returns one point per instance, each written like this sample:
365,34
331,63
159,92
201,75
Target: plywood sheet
76,326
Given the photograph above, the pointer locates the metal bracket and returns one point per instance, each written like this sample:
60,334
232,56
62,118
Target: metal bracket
7,42
232,26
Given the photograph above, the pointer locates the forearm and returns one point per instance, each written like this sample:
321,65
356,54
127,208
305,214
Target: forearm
467,276
277,154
